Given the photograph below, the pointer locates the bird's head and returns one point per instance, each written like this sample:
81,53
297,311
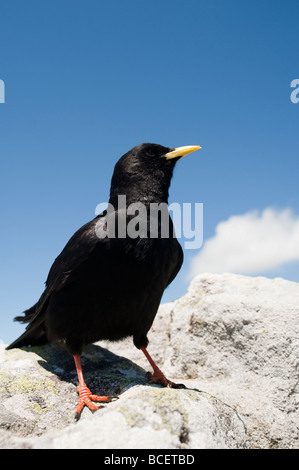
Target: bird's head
144,173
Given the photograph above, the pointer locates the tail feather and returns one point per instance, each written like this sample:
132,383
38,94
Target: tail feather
35,333
34,336
29,314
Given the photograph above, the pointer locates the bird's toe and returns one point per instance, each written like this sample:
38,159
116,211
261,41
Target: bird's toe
87,398
159,378
174,385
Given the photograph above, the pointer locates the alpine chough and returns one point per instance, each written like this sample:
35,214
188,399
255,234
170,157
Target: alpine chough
108,281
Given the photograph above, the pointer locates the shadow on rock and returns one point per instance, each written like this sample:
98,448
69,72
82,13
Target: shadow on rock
105,373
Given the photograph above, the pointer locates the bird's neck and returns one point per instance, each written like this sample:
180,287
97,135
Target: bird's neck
122,198
140,191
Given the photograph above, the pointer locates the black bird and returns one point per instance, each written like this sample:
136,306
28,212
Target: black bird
108,281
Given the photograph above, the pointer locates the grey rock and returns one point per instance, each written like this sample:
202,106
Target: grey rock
233,340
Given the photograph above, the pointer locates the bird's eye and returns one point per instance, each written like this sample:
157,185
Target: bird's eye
150,153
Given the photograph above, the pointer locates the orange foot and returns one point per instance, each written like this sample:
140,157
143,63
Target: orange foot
85,395
86,398
159,378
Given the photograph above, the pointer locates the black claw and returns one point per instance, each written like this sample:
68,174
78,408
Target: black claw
170,384
179,386
110,399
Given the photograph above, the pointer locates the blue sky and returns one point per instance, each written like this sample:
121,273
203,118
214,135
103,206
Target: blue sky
87,80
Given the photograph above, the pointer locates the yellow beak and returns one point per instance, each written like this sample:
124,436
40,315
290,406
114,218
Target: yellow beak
181,151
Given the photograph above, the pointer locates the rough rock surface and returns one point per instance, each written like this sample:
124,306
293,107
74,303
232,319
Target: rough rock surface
233,340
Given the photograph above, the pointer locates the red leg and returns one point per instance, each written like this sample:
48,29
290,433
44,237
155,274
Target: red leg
85,395
158,376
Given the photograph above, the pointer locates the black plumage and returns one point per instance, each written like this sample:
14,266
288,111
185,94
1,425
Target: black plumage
110,288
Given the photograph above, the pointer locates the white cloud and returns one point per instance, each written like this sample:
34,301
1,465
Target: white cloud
251,243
